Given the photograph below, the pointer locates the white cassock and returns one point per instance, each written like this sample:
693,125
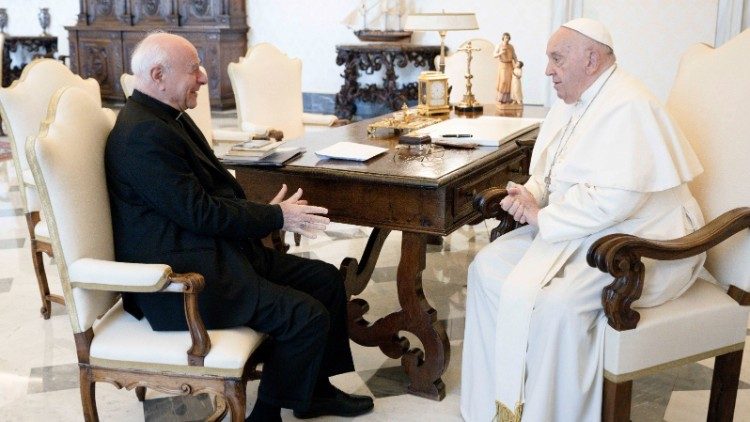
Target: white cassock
534,318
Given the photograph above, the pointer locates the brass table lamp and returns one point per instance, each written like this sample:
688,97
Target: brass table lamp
441,22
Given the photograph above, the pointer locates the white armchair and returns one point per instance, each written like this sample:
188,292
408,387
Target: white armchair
267,89
483,68
67,162
201,115
710,103
23,106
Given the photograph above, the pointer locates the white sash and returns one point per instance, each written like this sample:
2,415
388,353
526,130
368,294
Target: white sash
518,294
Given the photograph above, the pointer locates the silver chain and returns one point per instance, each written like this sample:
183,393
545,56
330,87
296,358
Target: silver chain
564,140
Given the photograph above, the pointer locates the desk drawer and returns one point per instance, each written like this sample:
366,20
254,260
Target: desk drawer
464,193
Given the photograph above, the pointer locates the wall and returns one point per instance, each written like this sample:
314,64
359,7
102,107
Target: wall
22,18
649,35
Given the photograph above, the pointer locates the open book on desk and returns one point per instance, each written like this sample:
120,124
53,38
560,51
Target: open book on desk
485,130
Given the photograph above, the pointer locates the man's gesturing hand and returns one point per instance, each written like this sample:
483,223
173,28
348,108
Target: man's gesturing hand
300,217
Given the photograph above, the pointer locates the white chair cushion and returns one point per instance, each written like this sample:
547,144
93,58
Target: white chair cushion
318,119
41,231
702,320
254,129
119,339
231,135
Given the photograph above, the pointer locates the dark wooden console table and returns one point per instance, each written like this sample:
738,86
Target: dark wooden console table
370,58
27,49
403,189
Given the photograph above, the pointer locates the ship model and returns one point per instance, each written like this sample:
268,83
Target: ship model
385,14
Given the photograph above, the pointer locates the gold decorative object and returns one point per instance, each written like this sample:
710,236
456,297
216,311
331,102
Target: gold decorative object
403,121
469,103
432,93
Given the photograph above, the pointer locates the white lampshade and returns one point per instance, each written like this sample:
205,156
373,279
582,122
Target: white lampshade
440,22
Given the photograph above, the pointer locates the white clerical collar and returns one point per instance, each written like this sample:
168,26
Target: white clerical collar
590,92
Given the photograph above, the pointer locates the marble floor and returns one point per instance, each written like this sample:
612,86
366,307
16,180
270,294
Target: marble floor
38,372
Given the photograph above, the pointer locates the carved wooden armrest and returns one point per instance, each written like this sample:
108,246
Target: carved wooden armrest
487,202
620,255
193,284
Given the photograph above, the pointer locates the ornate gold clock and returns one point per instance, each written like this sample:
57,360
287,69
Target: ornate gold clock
432,93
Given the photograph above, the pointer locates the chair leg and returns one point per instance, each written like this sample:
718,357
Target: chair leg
41,279
37,248
724,387
88,396
140,392
616,401
234,392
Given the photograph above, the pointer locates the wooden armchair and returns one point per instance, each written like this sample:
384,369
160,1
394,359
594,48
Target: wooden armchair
67,162
23,105
709,101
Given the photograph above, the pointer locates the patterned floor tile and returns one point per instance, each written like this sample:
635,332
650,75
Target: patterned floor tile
53,378
5,284
178,409
12,243
13,212
386,382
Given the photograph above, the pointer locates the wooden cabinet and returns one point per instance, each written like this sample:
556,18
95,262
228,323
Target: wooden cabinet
107,31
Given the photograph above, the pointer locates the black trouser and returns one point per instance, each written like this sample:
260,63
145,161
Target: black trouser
302,307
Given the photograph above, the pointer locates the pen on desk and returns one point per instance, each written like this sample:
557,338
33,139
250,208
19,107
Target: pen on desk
458,135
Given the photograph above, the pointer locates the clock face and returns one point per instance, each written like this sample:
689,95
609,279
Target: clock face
437,93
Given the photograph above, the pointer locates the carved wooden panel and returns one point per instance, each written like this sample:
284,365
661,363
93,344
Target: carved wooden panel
203,12
108,12
100,57
154,12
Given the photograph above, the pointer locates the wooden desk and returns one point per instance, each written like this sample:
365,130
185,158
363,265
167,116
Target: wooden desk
419,195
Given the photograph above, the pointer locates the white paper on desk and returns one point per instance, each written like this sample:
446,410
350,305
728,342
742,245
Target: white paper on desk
350,151
485,130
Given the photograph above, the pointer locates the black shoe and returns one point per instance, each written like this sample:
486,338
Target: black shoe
341,404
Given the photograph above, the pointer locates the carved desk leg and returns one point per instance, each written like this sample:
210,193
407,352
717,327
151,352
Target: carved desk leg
417,316
424,368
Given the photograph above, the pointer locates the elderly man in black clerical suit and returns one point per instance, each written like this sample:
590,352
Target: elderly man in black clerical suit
173,203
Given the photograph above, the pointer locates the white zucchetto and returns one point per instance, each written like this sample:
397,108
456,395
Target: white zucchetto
592,29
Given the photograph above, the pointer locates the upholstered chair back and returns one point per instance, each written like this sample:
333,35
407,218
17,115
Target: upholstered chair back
24,104
267,89
201,114
711,102
483,68
2,45
67,161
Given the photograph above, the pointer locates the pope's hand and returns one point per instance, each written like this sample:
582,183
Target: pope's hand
521,205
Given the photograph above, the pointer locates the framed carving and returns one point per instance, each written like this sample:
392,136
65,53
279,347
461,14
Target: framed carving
154,12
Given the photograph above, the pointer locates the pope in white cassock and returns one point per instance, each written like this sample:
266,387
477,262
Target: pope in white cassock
608,159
